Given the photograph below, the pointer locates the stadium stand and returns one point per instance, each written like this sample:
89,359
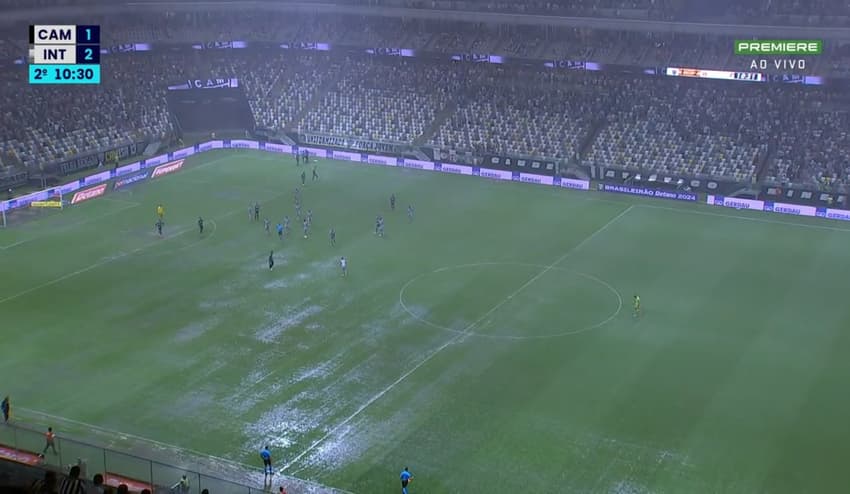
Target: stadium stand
682,126
391,101
521,114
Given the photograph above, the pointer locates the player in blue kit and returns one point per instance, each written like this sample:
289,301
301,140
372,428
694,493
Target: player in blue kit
266,455
406,477
280,231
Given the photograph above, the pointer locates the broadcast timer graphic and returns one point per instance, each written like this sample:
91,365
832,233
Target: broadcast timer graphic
64,54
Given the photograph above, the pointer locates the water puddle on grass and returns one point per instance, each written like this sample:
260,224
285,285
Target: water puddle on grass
272,331
195,330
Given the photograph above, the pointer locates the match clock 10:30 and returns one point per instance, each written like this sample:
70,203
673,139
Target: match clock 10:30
64,74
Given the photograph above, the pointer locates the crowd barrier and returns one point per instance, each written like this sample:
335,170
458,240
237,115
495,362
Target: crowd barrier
20,444
97,184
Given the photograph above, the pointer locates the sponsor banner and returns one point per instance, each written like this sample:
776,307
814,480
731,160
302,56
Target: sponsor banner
496,174
779,207
209,83
182,153
124,170
120,153
69,187
645,191
85,195
834,214
276,148
130,180
535,179
318,153
97,178
243,144
167,168
541,166
342,155
351,143
94,159
46,204
571,183
218,144
735,202
458,169
80,163
156,160
418,164
381,160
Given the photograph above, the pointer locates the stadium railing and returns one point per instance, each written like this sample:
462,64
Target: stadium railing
22,444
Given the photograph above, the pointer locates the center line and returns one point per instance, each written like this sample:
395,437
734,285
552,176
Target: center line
466,331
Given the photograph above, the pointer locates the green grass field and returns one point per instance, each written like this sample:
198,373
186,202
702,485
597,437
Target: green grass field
489,345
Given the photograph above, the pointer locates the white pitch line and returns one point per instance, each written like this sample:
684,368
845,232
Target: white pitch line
448,343
173,447
63,228
111,259
87,268
19,242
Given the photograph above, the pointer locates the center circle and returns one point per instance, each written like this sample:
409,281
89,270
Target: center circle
510,300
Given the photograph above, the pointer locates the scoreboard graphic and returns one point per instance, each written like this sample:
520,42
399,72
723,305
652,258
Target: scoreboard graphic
64,54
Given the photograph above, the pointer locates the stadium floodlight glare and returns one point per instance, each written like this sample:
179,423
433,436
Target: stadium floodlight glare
774,47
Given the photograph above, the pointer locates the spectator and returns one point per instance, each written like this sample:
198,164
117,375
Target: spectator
181,487
47,485
72,484
97,484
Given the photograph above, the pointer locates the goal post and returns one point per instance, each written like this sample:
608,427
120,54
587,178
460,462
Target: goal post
28,209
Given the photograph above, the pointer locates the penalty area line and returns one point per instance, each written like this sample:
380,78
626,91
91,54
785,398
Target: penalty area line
451,341
66,227
111,259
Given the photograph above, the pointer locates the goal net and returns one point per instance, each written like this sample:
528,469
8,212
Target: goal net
24,209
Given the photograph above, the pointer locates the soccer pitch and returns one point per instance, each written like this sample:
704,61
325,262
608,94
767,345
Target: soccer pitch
489,344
